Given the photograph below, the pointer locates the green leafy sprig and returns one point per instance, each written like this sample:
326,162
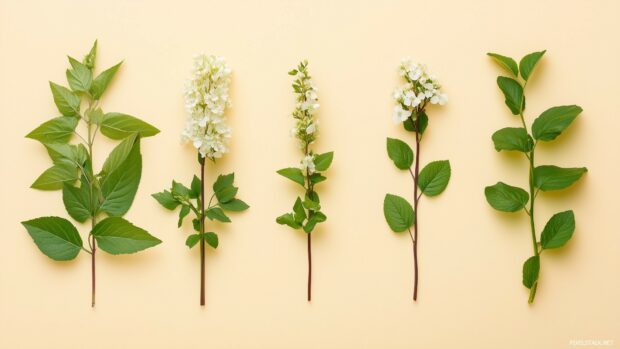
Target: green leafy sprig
547,127
307,211
433,179
88,194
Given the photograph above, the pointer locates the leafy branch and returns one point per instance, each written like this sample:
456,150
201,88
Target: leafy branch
548,126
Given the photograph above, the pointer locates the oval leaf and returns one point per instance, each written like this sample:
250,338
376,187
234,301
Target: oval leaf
101,82
434,177
558,230
115,235
120,126
513,138
513,94
56,176
323,161
506,62
77,200
119,154
57,130
56,237
531,268
528,63
549,177
400,153
119,187
506,198
293,174
553,121
67,102
398,213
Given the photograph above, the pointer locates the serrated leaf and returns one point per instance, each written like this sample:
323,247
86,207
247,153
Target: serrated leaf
180,190
513,94
56,237
558,230
101,82
550,124
223,182
120,126
531,269
226,194
506,198
116,235
434,177
293,174
166,199
77,201
119,154
513,138
216,213
323,161
400,153
67,102
56,130
119,187
398,213
506,62
548,177
234,205
528,63
79,77
56,176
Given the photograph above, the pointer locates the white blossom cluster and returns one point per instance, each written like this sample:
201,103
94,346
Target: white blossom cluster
306,127
419,89
206,99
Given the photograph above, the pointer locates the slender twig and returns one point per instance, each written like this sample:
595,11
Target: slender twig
416,199
202,232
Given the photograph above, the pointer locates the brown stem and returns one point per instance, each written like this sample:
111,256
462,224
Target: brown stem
309,267
415,209
202,231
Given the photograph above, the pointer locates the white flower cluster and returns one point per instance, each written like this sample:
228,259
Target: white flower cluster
206,98
307,164
420,88
307,104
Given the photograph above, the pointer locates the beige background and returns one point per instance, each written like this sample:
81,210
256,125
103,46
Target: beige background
470,255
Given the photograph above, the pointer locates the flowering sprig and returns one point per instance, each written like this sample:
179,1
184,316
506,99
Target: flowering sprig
307,212
87,194
549,125
412,98
206,100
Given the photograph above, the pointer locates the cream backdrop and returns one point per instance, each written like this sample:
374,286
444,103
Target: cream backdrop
470,255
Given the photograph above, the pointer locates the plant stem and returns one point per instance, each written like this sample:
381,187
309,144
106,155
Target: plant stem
202,231
309,267
92,265
532,225
414,239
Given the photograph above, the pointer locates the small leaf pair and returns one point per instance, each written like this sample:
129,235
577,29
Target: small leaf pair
547,127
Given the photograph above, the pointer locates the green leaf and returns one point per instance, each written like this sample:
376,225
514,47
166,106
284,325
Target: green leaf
89,59
226,194
184,212
192,240
513,138
311,204
506,198
212,239
195,188
166,199
506,62
315,218
434,177
558,230
180,190
513,94
196,224
548,177
410,125
56,237
100,83
292,72
80,77
298,211
531,268
119,154
95,115
293,174
317,178
216,213
56,176
288,219
119,126
116,235
234,205
223,182
398,213
400,153
323,161
553,121
67,102
119,187
57,130
528,63
77,201
60,152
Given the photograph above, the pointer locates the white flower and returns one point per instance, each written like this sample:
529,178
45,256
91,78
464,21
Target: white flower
400,114
310,129
307,164
206,99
